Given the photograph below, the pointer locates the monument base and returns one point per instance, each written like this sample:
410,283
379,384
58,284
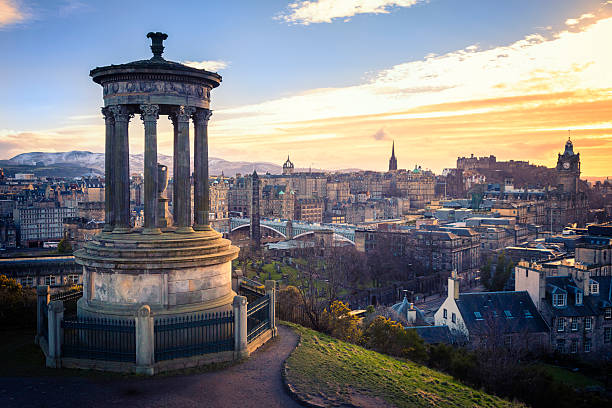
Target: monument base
175,274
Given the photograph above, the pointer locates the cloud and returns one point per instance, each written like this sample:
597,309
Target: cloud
576,21
381,134
483,98
325,11
11,13
212,66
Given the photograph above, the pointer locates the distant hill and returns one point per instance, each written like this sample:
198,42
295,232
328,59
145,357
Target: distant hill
81,163
84,162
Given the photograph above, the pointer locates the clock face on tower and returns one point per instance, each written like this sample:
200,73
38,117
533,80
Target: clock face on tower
566,165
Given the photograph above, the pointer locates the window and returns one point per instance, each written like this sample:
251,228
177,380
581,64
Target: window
588,323
561,345
478,315
587,345
558,299
528,314
607,334
508,314
574,324
608,313
594,289
578,298
74,279
454,318
560,324
574,346
27,281
49,280
445,313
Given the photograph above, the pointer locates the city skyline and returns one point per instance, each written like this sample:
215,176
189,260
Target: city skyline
542,70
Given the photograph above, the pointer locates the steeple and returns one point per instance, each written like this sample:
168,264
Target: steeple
393,160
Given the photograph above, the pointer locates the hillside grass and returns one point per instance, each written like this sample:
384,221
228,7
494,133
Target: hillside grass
327,371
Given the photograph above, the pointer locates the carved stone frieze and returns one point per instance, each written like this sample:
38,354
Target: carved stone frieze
121,88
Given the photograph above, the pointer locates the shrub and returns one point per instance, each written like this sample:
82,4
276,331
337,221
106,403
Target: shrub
389,337
17,304
340,324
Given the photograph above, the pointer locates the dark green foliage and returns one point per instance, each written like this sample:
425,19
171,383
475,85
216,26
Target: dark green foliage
503,270
64,247
17,304
389,337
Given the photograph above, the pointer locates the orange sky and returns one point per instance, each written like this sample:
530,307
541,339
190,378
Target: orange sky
515,101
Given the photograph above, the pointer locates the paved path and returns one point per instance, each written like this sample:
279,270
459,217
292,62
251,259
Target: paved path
255,383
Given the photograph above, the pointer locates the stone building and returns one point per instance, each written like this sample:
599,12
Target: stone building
277,201
499,319
54,271
576,305
393,160
80,230
309,210
219,189
41,223
288,167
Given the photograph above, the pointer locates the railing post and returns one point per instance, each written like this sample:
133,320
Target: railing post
240,327
55,317
271,292
42,298
145,341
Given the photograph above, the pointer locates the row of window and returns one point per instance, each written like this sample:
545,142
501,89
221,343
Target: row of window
453,316
50,280
573,324
574,346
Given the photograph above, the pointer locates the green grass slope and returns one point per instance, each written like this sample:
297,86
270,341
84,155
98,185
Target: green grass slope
329,372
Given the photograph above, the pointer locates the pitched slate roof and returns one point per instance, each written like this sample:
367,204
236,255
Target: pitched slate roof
434,334
508,312
592,305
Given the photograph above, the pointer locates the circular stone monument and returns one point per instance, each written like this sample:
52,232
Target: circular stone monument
179,266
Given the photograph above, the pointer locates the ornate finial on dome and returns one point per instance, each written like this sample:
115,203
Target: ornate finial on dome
157,44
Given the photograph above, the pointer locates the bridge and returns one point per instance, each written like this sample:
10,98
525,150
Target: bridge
296,229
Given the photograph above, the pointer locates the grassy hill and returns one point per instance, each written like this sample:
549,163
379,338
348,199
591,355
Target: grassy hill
329,372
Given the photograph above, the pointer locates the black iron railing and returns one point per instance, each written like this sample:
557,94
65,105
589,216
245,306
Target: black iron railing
70,299
258,317
99,339
177,337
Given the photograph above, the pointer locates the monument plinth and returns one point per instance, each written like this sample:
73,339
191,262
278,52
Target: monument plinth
173,266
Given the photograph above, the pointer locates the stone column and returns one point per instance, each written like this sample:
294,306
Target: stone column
145,341
200,166
42,298
271,292
109,181
240,327
149,115
55,317
182,180
122,169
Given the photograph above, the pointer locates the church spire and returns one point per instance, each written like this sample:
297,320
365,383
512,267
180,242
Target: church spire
393,159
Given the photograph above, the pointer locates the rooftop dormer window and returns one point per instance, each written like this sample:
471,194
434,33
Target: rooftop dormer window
594,288
478,315
578,298
559,299
508,314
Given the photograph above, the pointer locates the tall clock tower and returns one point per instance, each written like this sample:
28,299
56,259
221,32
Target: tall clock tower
568,169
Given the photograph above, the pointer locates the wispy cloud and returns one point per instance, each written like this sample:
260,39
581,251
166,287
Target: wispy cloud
213,66
325,11
494,100
576,21
11,13
381,134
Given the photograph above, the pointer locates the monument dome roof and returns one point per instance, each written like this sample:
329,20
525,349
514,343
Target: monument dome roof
155,65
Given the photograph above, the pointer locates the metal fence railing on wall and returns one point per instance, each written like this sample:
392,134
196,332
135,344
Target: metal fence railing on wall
99,339
177,337
258,317
70,299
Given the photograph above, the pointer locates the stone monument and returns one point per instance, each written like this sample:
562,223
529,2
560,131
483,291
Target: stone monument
175,267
